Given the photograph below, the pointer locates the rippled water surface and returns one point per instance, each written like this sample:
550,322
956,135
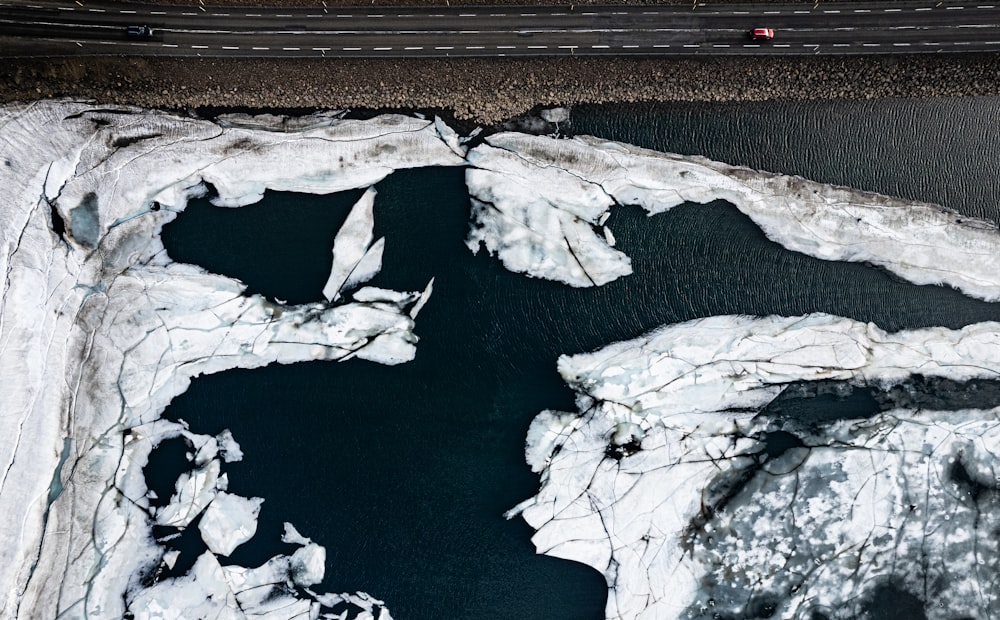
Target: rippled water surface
404,472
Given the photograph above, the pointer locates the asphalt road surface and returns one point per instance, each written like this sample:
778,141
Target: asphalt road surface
83,28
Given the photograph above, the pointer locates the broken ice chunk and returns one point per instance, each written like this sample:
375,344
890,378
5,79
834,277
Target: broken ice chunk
229,521
308,565
351,249
194,490
228,447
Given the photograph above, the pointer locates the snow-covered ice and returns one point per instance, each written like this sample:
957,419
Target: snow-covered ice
102,329
539,203
673,481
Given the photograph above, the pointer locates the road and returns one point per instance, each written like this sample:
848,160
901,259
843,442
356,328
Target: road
60,29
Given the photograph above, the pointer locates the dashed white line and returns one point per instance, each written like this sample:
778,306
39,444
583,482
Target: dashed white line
375,15
351,49
474,47
720,45
157,12
741,12
650,12
568,47
663,45
466,14
901,45
954,8
782,45
831,11
599,47
444,47
199,47
412,49
842,45
96,10
924,8
342,16
772,12
251,15
122,11
260,49
691,45
188,14
630,47
539,47
862,10
871,44
322,49
802,12
382,49
506,47
167,45
230,47
527,14
73,8
892,10
220,14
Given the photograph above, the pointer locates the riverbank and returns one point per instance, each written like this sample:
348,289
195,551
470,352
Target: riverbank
490,90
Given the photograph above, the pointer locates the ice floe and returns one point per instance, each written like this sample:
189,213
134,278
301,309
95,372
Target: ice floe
694,503
538,203
102,329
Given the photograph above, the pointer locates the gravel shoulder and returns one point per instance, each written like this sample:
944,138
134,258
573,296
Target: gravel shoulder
490,90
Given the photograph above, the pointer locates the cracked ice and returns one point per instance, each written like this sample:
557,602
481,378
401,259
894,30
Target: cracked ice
671,479
102,329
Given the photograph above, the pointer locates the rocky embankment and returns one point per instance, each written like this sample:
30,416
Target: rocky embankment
489,90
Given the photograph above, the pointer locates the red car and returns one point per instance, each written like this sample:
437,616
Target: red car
762,34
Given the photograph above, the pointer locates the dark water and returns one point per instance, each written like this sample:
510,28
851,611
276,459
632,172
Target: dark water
403,472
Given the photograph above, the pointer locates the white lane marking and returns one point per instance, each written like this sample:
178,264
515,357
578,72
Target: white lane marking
468,32
924,8
220,14
322,49
260,49
901,45
199,47
721,45
831,11
661,45
802,12
630,47
650,12
466,14
167,45
382,49
123,11
772,12
588,14
992,42
96,10
891,10
474,47
73,8
557,14
568,47
444,47
351,49
527,14
741,12
157,12
188,14
862,10
781,45
406,15
691,45
541,47
871,44
498,15
314,15
411,49
251,15
506,47
954,8
342,16
291,49
963,43
283,16
599,47
230,47
842,45
375,15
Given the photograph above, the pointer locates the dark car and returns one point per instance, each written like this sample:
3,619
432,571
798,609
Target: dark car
139,31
